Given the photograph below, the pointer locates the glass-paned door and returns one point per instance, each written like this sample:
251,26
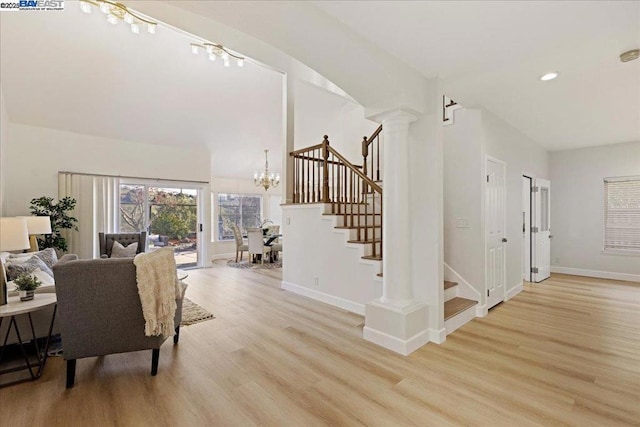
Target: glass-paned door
169,215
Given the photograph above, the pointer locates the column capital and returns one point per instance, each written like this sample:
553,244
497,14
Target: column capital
397,116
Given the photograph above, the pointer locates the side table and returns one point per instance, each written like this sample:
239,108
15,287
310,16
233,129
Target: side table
14,308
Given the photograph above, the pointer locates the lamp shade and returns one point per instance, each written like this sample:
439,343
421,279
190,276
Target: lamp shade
13,234
38,224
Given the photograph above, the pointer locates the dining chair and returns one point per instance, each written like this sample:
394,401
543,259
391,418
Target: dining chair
276,245
256,243
241,246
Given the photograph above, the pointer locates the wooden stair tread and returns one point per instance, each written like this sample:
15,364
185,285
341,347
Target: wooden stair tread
355,227
448,284
373,258
364,241
457,305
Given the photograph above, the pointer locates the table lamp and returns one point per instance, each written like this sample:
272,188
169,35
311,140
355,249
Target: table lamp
13,237
36,225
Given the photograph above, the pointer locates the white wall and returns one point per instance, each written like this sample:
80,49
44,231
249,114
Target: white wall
463,171
319,112
522,155
34,156
476,134
4,122
227,248
426,204
319,262
577,208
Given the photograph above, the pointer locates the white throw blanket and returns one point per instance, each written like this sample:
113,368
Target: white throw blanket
159,288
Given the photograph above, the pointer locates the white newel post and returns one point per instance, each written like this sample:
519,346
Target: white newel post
396,321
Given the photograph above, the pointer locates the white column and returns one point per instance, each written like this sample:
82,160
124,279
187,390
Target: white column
288,120
396,321
396,261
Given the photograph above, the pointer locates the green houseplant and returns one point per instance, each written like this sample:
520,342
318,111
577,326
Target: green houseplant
60,220
25,285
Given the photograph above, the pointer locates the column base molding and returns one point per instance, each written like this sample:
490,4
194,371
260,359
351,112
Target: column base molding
402,330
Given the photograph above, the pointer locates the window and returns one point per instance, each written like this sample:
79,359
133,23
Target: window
622,214
243,210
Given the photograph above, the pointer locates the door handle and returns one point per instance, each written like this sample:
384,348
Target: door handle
504,240
550,236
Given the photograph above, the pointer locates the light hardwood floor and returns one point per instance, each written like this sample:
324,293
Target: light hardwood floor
563,352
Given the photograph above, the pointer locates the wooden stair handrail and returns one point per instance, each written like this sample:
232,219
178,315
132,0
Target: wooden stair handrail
366,142
365,178
322,175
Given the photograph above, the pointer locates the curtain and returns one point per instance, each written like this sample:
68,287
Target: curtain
96,210
106,190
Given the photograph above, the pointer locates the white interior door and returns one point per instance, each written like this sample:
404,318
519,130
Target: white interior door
542,230
526,228
495,233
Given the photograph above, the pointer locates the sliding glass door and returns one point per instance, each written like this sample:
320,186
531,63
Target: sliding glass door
169,214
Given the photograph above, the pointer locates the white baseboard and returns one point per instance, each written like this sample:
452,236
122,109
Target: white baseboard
345,304
404,347
438,336
481,310
595,273
514,291
231,255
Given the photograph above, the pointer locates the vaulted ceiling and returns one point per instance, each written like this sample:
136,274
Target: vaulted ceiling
73,71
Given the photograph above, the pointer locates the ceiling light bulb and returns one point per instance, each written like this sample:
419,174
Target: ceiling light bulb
212,57
194,49
85,7
224,55
111,19
226,61
240,62
151,28
548,76
104,8
128,18
209,49
135,28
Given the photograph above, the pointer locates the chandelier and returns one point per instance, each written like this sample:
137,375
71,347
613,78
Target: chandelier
118,12
266,179
215,51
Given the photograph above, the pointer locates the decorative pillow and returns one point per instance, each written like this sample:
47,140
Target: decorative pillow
119,251
17,266
48,256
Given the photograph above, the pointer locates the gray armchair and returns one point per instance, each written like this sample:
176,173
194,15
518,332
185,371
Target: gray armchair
100,313
125,239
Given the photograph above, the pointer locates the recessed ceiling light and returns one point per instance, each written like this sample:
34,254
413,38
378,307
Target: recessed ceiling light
548,76
630,55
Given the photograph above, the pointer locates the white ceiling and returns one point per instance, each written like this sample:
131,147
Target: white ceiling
491,53
76,72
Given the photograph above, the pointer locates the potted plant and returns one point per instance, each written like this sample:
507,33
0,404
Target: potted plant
25,285
60,220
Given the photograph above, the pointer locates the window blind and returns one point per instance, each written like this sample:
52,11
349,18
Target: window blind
622,213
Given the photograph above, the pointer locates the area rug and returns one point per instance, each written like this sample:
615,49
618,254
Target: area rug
255,266
193,313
